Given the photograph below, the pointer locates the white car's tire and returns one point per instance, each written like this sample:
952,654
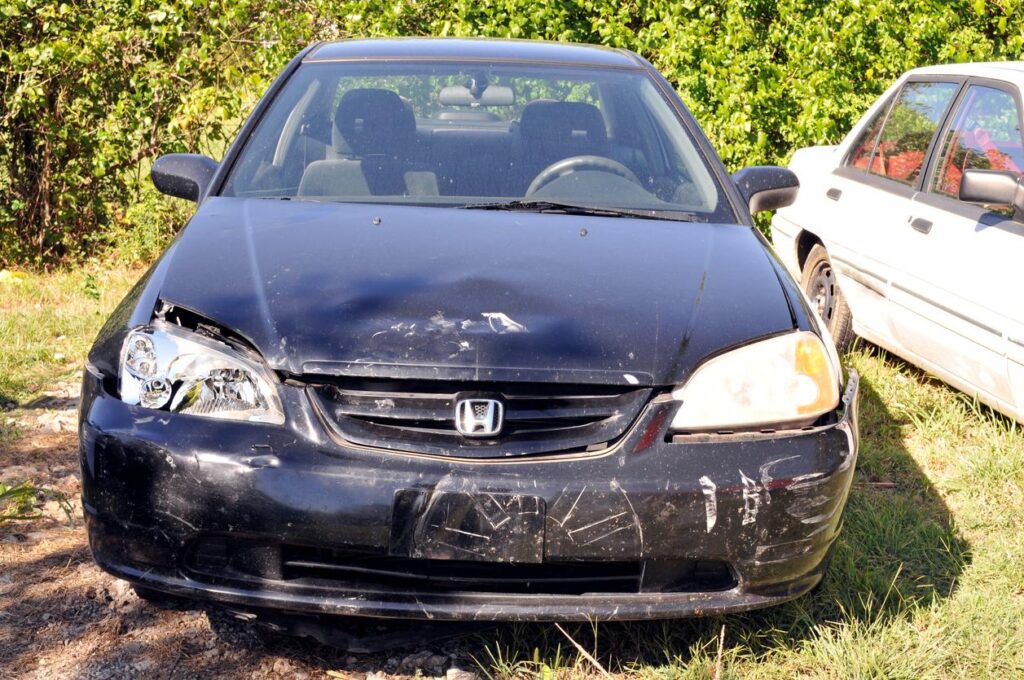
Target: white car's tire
819,282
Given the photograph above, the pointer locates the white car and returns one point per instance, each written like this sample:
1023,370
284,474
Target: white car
910,233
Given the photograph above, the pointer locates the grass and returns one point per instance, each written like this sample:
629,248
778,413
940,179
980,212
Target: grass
17,502
48,322
21,501
927,579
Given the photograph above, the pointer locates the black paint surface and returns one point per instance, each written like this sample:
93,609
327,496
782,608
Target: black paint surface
318,288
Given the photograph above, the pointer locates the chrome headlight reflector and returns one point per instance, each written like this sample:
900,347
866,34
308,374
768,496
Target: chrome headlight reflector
786,381
167,367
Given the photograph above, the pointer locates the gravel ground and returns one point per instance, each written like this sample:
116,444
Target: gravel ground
61,617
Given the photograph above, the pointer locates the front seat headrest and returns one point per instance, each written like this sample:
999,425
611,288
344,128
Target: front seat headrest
374,121
544,121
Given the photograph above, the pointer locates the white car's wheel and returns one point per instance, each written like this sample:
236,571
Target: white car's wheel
819,282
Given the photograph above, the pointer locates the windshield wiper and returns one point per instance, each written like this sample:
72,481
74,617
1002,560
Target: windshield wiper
519,205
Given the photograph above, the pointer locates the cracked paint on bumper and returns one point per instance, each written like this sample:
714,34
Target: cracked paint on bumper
770,505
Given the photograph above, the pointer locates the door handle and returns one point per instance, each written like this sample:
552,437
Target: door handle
922,225
834,193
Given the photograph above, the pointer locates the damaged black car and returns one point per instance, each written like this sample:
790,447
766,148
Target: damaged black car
468,330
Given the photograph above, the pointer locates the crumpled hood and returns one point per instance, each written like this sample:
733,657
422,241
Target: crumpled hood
412,292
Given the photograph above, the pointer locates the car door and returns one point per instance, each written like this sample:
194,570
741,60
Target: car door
872,192
962,266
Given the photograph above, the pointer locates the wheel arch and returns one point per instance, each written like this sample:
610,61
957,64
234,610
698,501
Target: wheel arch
804,242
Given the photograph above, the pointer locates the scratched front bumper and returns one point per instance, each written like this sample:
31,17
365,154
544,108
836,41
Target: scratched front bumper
770,505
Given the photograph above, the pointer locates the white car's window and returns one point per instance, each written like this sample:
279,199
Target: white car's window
860,155
985,135
903,143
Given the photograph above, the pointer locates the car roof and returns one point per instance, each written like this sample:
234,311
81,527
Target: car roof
1001,70
473,49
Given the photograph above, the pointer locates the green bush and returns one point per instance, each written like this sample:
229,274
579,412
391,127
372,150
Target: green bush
95,89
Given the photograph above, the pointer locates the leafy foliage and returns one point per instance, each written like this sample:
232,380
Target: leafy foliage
93,89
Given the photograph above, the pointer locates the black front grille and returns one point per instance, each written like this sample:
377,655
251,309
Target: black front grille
419,416
222,559
563,578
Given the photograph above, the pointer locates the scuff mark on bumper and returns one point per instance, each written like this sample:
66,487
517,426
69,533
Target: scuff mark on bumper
677,503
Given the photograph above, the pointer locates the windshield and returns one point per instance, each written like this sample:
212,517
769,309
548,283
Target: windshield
470,134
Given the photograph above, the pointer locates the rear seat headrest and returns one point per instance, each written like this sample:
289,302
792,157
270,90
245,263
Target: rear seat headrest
373,121
548,121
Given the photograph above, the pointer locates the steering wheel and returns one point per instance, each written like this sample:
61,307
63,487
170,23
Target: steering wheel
573,164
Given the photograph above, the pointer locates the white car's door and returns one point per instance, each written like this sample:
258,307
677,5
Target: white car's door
839,207
873,191
961,295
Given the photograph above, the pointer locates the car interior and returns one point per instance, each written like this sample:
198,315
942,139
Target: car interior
378,148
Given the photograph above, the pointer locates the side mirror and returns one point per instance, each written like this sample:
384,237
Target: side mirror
994,187
183,175
766,187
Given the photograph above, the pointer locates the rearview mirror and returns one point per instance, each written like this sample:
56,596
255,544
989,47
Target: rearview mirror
766,187
994,187
183,175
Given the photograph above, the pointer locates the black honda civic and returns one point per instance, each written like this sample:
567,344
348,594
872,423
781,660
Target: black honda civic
468,330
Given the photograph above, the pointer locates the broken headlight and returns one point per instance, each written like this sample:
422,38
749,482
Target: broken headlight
786,381
167,367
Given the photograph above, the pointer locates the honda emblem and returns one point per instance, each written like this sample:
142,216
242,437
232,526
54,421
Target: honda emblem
479,417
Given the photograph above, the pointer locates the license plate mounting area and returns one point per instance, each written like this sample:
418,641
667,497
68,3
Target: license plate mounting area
490,527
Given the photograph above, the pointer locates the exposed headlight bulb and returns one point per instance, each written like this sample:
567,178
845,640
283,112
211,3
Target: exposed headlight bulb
155,393
140,356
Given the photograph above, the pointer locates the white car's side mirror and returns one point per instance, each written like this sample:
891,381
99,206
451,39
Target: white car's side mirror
994,187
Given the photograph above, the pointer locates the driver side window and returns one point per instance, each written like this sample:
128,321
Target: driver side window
985,135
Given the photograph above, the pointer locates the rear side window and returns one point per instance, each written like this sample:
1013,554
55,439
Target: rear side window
860,157
985,135
900,149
